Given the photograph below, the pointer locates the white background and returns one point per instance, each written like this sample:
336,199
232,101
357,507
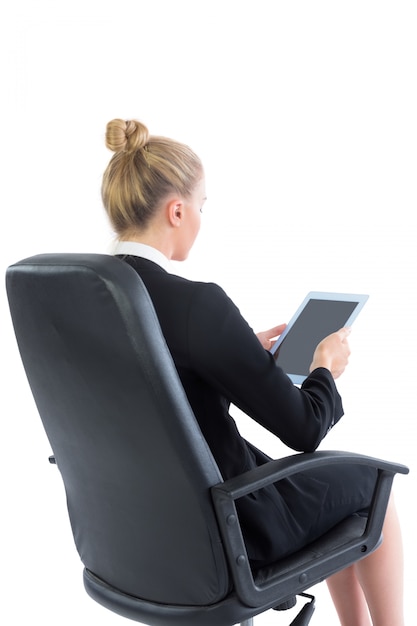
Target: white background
304,114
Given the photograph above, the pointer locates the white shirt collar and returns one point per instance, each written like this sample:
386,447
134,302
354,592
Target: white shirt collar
142,250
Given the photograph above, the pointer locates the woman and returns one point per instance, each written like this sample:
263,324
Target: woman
153,191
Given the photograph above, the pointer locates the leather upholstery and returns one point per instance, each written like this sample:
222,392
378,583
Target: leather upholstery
136,482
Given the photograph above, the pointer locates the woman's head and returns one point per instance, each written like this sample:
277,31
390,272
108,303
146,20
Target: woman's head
144,171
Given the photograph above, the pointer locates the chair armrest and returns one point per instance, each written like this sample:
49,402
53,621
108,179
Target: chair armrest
307,574
278,469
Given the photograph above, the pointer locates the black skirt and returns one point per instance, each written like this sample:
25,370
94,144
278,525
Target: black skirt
288,515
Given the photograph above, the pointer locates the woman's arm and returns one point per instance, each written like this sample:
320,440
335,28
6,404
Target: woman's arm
225,351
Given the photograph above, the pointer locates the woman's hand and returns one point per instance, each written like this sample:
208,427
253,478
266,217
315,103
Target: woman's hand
333,353
268,337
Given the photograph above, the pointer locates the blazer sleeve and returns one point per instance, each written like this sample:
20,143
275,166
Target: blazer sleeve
225,351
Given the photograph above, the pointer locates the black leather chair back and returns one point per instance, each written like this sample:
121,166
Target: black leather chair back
122,432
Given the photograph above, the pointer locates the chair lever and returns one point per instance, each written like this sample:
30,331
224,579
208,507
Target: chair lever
52,459
304,616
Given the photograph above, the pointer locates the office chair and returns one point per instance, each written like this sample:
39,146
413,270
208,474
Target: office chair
154,524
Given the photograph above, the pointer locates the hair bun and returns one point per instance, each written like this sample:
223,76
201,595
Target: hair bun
126,136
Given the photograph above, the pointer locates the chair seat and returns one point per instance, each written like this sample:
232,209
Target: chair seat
341,535
230,610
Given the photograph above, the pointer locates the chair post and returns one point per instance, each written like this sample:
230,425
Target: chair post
247,622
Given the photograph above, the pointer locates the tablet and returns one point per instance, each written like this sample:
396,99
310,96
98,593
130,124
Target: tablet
319,315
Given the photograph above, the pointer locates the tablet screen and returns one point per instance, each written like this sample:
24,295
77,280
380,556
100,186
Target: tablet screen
318,316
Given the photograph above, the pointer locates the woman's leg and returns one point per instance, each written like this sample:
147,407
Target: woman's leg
381,575
348,598
375,582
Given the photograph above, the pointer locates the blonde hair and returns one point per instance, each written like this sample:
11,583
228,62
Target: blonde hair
143,171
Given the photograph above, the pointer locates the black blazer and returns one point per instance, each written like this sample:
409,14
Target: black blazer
220,361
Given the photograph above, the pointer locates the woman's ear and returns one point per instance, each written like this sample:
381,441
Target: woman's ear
175,212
